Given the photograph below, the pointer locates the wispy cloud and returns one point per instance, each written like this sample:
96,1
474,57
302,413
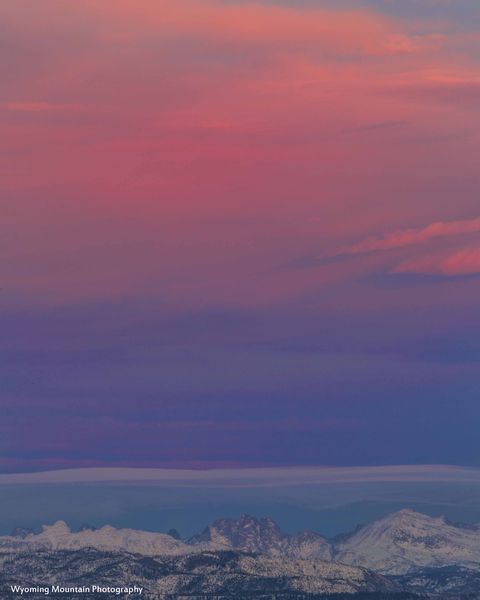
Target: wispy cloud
359,32
463,262
411,237
39,106
375,126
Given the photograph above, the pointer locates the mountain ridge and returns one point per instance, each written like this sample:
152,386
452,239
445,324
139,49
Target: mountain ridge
398,544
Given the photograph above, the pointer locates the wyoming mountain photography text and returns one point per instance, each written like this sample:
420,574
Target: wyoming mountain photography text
58,589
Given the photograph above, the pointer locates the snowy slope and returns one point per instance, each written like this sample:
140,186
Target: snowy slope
406,541
231,573
59,537
221,574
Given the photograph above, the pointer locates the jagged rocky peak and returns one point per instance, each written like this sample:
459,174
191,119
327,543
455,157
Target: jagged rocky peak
245,533
306,535
263,536
248,528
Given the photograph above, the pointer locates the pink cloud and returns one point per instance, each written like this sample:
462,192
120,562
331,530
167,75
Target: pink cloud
412,237
205,124
464,262
347,31
39,106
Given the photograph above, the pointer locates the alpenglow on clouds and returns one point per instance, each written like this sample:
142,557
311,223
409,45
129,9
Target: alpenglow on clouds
231,221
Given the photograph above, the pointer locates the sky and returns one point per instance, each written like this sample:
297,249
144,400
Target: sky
328,500
239,233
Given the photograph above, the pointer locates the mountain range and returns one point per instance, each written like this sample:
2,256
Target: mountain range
404,550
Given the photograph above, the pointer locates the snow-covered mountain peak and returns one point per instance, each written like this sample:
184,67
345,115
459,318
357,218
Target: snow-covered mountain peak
409,517
406,540
58,528
406,513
